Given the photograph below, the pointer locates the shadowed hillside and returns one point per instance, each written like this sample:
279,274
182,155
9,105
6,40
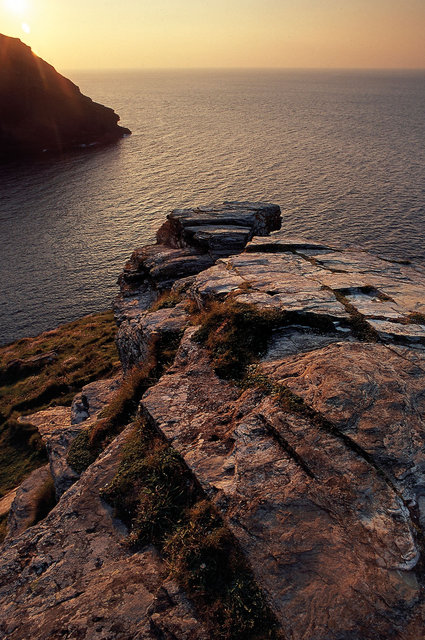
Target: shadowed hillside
42,111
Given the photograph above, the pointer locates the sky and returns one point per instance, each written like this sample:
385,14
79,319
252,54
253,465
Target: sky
106,34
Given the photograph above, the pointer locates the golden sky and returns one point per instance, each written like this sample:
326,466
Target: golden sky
95,34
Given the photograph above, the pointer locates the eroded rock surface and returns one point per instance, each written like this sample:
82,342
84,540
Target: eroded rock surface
22,508
59,426
187,243
317,464
71,576
327,536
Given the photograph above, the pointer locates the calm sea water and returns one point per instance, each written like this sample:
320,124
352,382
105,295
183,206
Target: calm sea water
343,153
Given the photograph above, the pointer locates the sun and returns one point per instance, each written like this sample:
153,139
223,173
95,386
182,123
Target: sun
16,6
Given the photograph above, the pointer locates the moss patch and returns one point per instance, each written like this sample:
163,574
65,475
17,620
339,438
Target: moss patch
123,407
155,494
81,351
235,334
167,300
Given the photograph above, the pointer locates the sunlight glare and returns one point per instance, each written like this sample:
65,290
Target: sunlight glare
16,6
26,27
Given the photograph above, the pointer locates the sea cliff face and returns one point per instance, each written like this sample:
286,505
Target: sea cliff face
41,111
293,396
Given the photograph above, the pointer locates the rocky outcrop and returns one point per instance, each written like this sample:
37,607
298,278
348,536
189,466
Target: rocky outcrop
41,111
190,241
326,497
329,538
316,463
23,508
71,576
59,426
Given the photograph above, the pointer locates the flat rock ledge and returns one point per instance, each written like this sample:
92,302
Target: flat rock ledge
327,502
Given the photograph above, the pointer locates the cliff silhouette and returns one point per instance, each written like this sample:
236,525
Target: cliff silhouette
41,111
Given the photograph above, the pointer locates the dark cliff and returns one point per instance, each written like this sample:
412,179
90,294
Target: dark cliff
42,110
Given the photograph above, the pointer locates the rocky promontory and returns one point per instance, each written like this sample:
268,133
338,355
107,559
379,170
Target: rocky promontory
41,111
270,482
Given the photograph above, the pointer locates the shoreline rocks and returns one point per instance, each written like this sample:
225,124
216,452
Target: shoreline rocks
318,468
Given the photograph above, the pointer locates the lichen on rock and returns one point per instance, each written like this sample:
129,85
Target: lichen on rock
281,419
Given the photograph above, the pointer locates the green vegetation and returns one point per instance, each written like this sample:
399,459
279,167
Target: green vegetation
120,411
154,493
123,406
167,300
39,372
235,334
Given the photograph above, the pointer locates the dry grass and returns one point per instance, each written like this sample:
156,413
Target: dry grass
44,501
123,407
155,494
235,334
167,300
84,351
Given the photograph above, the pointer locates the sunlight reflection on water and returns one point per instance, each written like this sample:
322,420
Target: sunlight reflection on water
343,155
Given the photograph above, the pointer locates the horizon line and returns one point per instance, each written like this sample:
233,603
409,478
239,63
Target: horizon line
243,68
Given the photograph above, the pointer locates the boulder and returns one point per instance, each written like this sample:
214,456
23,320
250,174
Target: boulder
23,508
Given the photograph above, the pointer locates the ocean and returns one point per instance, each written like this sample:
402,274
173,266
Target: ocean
342,153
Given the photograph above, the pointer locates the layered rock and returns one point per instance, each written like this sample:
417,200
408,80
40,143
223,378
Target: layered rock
327,504
190,241
317,464
42,111
329,539
71,576
59,426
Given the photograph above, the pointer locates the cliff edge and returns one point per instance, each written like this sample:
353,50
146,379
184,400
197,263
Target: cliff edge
42,111
268,480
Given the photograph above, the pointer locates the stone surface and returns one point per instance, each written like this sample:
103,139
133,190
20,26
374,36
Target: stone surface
260,217
282,281
327,536
137,335
70,576
323,489
188,243
376,396
387,295
59,426
57,433
6,501
22,509
93,398
44,112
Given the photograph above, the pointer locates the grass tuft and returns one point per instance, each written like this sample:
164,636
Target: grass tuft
235,334
155,494
123,407
81,351
167,300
